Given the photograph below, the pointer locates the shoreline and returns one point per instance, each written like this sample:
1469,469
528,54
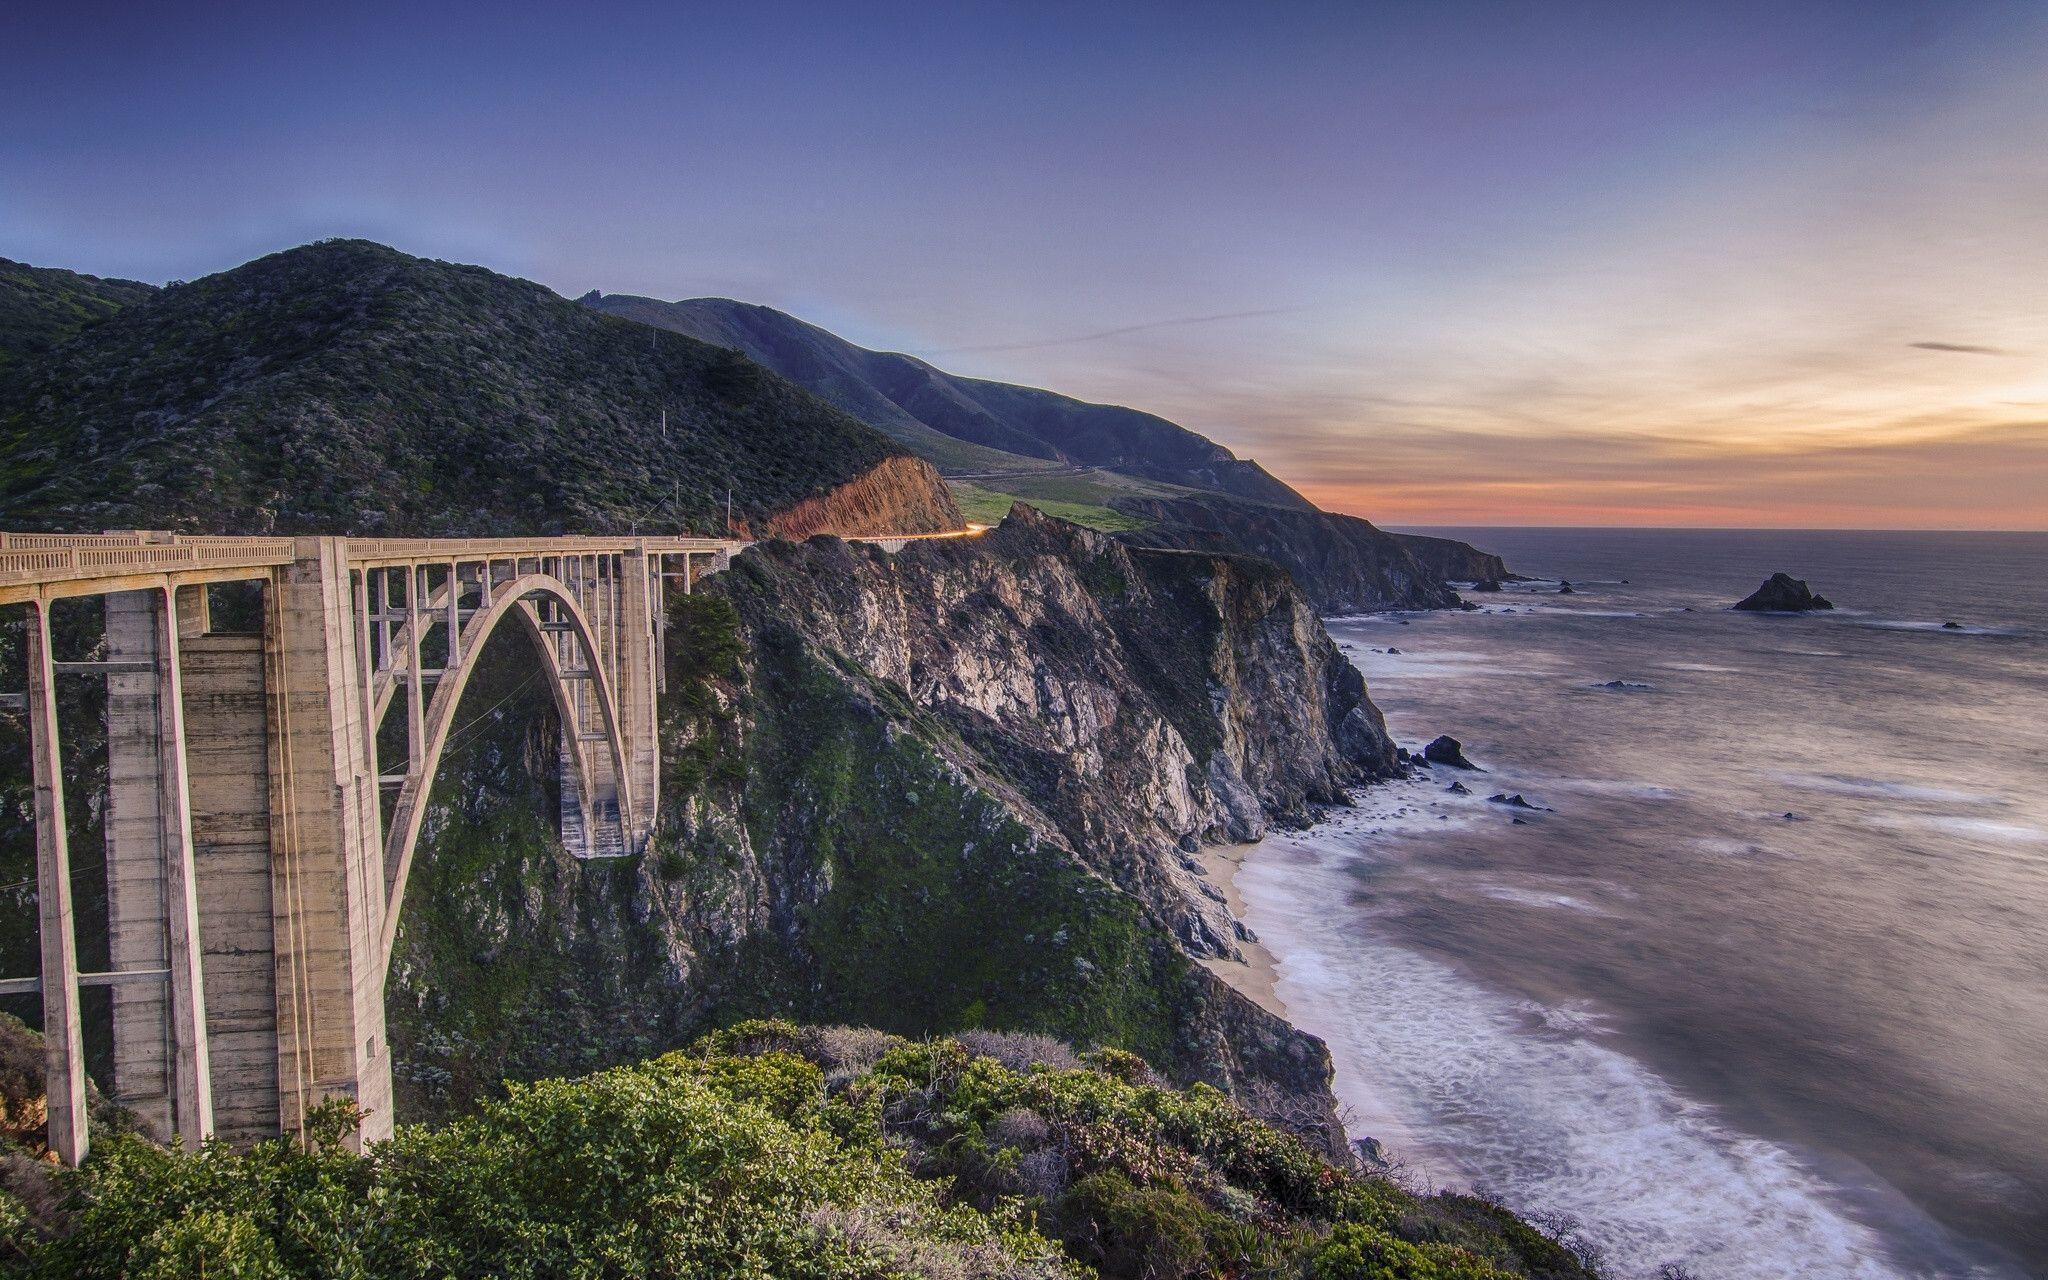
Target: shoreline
1256,976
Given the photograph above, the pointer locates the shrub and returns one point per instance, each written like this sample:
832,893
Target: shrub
769,1149
1355,1252
1155,1233
1020,1050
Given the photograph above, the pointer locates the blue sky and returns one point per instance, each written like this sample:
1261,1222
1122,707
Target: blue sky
1432,262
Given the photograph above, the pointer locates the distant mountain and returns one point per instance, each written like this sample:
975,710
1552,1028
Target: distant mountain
348,388
933,411
1155,482
40,307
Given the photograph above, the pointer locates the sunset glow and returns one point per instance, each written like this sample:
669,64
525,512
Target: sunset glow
1721,265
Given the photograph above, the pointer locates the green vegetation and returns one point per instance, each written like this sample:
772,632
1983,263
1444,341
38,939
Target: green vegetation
345,387
41,307
989,506
950,455
704,646
772,1150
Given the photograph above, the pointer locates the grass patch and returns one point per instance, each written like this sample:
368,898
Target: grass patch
989,506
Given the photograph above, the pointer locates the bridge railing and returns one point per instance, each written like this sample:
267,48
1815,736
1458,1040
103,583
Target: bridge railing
362,549
30,559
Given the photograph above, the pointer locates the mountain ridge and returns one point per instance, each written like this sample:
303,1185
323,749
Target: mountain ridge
1196,496
345,387
902,394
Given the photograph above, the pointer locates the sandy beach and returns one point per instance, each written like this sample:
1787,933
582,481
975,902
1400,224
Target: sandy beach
1255,975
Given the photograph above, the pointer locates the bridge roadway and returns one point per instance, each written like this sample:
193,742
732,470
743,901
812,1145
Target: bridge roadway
261,812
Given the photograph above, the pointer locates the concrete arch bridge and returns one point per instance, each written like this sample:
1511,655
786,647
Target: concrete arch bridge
266,787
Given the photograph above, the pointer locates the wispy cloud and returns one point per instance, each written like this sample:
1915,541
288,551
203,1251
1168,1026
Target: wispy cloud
1098,335
1963,348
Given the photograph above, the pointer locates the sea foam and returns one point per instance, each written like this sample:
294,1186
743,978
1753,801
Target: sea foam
1471,1087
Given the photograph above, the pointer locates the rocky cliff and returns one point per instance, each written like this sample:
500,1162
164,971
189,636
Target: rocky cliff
1343,563
896,495
949,788
1449,560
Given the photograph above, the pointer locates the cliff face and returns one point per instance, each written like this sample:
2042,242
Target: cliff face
1343,563
897,495
1143,700
1453,561
951,788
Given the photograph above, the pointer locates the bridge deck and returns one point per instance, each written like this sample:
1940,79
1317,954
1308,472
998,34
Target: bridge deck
44,565
49,565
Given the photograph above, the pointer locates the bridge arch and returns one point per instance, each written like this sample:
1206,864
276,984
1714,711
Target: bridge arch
524,598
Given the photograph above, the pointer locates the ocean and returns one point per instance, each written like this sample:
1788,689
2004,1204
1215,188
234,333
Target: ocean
1759,987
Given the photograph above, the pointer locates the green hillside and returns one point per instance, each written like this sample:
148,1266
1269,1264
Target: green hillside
42,306
346,387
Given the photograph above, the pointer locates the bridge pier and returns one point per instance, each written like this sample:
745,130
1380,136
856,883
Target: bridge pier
327,860
63,1029
638,665
227,716
161,1061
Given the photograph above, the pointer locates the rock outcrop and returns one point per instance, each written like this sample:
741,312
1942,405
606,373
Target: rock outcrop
897,495
1446,750
1783,593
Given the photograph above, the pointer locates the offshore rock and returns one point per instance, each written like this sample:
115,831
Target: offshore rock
1445,749
1783,593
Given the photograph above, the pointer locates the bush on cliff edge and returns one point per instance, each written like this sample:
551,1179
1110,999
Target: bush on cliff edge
771,1150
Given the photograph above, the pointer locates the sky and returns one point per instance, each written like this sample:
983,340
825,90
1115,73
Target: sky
1432,263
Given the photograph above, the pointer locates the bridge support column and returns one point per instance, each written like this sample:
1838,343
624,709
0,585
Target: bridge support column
63,1032
161,1067
227,713
328,879
638,669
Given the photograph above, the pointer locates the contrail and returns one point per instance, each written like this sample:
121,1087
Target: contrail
1116,333
1962,348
